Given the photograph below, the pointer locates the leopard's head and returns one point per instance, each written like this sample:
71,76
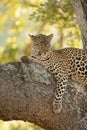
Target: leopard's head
41,42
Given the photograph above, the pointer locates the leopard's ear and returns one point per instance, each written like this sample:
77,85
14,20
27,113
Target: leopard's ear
50,36
32,37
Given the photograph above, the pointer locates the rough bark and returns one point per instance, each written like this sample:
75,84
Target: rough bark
27,91
80,7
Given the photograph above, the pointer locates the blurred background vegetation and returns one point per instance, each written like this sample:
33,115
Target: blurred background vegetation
21,17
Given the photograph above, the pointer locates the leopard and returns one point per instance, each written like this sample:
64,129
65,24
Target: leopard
65,64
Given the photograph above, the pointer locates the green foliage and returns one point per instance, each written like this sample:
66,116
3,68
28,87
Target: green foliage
18,125
13,26
54,11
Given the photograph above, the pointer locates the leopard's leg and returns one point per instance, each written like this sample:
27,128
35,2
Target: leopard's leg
60,89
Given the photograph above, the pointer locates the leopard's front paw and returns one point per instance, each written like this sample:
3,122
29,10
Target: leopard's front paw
57,107
25,59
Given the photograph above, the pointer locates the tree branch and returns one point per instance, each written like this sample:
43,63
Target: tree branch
80,7
27,91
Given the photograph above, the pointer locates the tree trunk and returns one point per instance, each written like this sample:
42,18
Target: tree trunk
27,91
80,7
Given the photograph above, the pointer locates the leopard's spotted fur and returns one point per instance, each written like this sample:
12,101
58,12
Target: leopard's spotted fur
64,64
